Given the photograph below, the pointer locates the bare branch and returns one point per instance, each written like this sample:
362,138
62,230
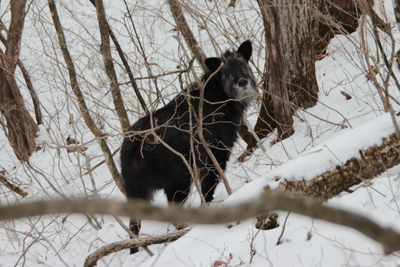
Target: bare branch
92,259
269,201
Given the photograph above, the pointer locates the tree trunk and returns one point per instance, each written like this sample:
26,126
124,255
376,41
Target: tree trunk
299,28
299,31
341,17
183,27
277,69
21,128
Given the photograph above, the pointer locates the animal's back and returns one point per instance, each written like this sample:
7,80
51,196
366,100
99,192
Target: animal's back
146,163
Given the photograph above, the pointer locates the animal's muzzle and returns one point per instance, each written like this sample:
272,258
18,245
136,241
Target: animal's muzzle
243,82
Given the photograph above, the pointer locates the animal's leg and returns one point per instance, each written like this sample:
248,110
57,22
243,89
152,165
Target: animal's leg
209,173
135,190
134,226
208,185
177,197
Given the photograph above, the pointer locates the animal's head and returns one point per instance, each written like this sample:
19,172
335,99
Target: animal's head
237,78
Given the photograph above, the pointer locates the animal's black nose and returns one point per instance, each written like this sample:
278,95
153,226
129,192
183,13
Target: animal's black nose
243,82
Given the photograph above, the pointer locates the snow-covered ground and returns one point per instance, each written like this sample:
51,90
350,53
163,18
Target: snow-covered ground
317,146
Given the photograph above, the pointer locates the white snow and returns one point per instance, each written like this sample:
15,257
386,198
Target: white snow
335,134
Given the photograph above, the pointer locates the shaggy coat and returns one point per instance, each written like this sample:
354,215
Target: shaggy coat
148,165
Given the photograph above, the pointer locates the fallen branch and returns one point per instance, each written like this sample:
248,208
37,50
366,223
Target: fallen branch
372,162
92,259
269,201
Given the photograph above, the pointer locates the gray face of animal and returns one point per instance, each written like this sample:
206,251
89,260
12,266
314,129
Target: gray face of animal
237,78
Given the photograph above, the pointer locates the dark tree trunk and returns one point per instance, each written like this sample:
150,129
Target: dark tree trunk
298,29
341,17
307,27
277,70
21,128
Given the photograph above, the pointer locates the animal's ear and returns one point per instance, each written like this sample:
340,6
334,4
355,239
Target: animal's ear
213,63
245,50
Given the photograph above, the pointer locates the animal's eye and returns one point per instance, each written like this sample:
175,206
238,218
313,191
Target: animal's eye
226,72
243,66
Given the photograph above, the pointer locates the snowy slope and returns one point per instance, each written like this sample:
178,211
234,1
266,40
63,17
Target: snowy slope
316,146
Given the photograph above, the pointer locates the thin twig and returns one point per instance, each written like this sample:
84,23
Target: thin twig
283,229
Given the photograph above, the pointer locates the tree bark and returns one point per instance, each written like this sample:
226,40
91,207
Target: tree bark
277,73
29,85
342,16
299,33
20,125
183,27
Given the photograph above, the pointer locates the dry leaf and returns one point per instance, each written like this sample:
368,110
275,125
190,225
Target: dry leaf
70,141
319,57
348,97
232,3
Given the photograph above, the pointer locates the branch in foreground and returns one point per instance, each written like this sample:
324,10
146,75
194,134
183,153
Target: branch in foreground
269,201
92,259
